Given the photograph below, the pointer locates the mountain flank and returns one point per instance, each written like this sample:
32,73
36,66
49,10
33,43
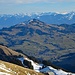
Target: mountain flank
55,43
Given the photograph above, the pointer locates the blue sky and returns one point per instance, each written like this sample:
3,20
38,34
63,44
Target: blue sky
29,6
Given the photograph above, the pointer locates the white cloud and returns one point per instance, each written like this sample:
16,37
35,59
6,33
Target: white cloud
21,1
33,1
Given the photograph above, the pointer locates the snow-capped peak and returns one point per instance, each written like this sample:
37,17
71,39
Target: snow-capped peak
70,15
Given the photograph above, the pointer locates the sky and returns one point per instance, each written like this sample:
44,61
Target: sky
31,6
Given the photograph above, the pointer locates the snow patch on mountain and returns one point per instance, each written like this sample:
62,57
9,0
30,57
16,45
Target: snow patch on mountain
55,71
71,16
36,66
3,73
39,68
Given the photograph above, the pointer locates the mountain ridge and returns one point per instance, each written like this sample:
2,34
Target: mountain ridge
49,18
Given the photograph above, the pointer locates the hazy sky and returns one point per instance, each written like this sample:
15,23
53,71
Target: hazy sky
29,6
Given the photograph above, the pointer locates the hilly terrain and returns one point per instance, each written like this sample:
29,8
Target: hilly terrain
53,43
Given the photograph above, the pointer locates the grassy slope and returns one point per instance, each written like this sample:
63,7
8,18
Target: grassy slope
10,52
16,70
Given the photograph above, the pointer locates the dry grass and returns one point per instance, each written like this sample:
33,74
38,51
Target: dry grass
17,70
10,52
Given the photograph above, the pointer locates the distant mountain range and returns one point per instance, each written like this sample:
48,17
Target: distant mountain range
49,18
53,43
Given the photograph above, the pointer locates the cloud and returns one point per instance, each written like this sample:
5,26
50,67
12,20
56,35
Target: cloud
21,1
33,1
